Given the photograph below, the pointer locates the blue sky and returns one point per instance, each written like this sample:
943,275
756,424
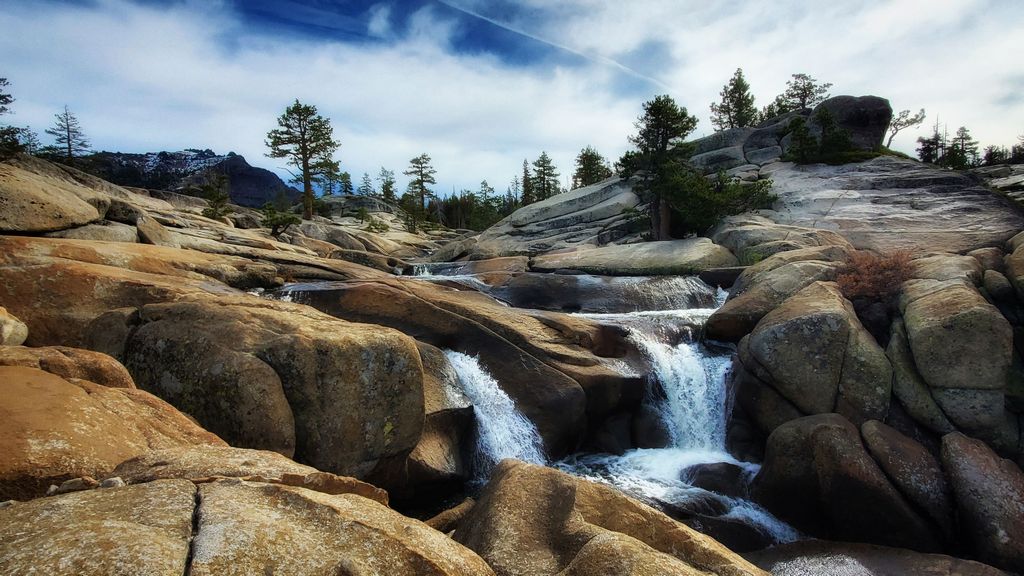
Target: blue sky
478,84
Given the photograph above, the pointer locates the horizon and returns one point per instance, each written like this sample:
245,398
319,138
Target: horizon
479,86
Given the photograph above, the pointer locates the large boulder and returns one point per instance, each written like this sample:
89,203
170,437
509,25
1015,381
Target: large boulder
815,352
143,529
865,118
56,428
910,388
278,376
962,347
533,520
989,494
818,477
670,257
39,197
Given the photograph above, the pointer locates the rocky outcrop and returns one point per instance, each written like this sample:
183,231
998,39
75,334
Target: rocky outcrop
39,197
673,257
990,499
816,557
56,428
533,520
814,351
593,215
222,527
13,332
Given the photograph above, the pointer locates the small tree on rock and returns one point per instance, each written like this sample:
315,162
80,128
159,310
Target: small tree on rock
70,139
215,190
387,184
306,139
736,108
278,221
422,174
903,120
803,91
366,186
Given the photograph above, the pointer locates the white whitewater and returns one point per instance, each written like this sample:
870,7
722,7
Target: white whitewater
502,431
687,389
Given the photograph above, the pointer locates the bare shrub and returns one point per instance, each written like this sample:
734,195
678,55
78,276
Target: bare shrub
871,276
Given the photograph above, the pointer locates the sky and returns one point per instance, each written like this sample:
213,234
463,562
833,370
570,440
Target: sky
479,85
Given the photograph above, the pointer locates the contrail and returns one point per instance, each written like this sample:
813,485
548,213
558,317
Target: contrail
592,57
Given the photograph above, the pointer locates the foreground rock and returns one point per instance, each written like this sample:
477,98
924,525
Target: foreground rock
673,257
132,530
990,495
13,332
70,363
532,520
816,557
55,429
240,528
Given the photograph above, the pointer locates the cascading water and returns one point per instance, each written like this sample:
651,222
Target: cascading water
687,390
502,431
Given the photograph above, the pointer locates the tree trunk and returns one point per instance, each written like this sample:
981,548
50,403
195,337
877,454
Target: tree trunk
307,191
664,220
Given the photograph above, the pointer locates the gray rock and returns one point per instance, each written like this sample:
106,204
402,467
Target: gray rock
115,482
866,118
720,159
13,332
762,156
105,230
671,257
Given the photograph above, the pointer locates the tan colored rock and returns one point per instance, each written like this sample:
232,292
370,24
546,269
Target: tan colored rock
105,230
759,295
962,347
675,257
910,388
34,202
280,376
746,233
948,267
816,353
56,429
70,363
533,520
990,258
989,494
143,529
13,332
254,528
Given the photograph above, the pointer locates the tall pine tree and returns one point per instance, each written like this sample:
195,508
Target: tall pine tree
528,193
366,186
545,178
591,168
387,184
306,139
736,108
422,174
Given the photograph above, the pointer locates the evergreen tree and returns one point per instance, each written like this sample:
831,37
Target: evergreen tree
10,140
387,184
802,91
215,190
962,151
422,174
736,108
591,168
993,155
29,140
903,120
306,139
545,179
330,180
932,148
662,125
528,194
514,190
366,187
68,133
345,183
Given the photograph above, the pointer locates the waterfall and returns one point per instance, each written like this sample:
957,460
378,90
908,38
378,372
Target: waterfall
502,431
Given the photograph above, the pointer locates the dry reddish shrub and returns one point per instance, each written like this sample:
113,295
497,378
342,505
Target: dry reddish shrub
872,276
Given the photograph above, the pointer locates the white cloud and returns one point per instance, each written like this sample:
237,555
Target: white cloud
191,75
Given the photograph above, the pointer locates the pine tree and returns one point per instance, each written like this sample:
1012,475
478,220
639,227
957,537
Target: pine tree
345,183
387,184
366,187
802,91
69,136
736,108
591,168
422,174
306,139
528,194
5,99
545,178
662,125
962,151
903,120
10,137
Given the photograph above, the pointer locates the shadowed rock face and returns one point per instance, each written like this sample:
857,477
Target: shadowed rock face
815,557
